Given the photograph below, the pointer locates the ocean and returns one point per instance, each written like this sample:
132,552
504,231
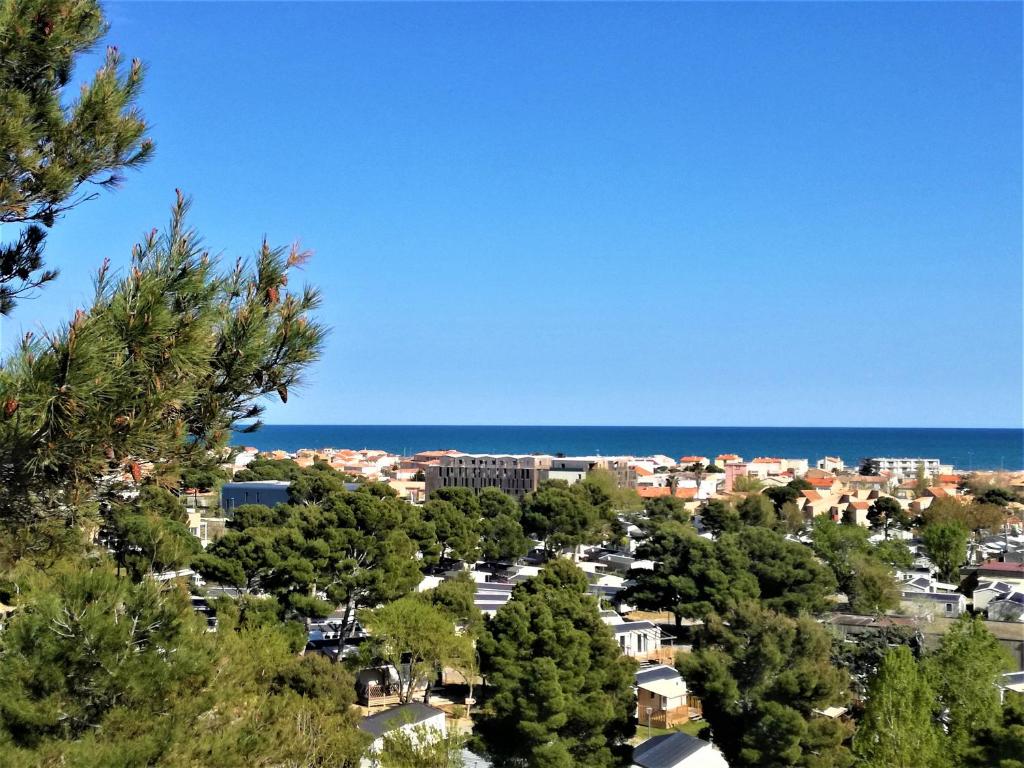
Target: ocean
964,448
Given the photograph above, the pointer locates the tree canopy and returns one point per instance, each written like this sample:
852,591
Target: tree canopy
759,675
561,690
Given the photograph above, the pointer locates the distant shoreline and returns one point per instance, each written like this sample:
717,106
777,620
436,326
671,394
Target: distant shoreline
965,448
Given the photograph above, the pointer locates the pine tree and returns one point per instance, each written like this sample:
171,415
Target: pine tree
51,147
150,378
898,730
561,692
759,676
963,672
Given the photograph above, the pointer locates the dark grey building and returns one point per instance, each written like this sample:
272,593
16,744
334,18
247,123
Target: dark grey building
269,493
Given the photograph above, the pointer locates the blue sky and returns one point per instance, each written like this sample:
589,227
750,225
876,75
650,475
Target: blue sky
679,214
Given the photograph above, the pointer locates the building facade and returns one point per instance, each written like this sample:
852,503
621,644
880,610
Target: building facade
516,475
904,468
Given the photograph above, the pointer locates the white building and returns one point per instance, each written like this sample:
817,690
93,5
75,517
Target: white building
420,721
831,464
905,468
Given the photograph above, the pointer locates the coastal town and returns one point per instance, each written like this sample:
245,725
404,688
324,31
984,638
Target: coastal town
527,385
890,499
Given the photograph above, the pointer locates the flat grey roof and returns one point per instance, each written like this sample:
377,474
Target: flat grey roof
405,714
666,751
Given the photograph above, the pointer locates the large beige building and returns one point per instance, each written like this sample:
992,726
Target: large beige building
519,474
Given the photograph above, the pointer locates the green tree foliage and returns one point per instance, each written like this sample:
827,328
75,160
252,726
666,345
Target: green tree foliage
862,656
792,518
946,544
465,499
51,145
789,579
872,588
862,571
1003,745
719,516
559,514
99,671
495,503
757,509
619,499
420,747
897,730
456,596
692,576
973,516
760,675
149,535
457,532
895,553
561,690
502,539
662,508
745,484
501,531
417,639
269,469
157,369
886,511
779,495
357,548
203,478
868,467
963,672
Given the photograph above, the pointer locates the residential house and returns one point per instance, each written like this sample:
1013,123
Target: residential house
643,641
926,584
689,461
823,485
987,591
1011,682
677,750
380,686
932,604
1008,608
1009,572
831,464
662,698
420,720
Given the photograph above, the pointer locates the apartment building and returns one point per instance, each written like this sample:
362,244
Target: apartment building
515,474
903,468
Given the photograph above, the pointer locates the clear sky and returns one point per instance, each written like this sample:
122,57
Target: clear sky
679,214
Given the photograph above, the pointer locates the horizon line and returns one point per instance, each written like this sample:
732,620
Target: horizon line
642,426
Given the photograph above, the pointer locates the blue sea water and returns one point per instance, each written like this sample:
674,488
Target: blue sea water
964,448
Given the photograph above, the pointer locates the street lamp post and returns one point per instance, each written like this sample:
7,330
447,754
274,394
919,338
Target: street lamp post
650,711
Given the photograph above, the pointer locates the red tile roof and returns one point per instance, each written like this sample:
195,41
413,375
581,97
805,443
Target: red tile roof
995,565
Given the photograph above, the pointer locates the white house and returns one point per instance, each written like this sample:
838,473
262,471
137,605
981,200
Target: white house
418,719
639,639
987,591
